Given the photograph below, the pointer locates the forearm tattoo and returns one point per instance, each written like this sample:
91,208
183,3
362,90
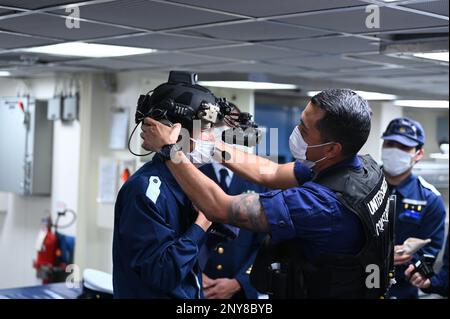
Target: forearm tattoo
247,212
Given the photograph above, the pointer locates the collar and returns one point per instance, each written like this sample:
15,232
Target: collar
404,187
217,167
351,162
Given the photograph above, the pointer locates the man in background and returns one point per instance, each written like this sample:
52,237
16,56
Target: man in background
420,211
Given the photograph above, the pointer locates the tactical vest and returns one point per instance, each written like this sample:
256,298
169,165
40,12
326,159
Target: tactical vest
281,271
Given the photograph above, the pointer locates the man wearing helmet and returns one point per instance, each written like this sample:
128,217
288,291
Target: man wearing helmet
157,231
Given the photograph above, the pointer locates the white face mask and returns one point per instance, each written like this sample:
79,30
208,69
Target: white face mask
298,148
218,131
203,152
396,161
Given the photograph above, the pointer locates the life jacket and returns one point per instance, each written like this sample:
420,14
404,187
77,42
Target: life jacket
281,270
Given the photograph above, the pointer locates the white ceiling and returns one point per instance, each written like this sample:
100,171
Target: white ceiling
314,43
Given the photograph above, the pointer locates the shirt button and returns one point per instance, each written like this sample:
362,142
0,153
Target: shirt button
220,250
219,267
281,223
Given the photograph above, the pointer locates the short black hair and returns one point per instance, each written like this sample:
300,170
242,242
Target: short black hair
347,118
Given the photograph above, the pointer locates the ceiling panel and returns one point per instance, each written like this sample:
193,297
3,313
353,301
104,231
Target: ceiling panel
171,59
36,4
216,67
330,45
165,42
282,47
149,15
11,41
28,59
55,27
322,62
425,80
443,29
264,68
48,69
426,83
392,60
438,7
263,8
442,69
109,63
253,68
439,87
251,52
315,74
5,11
386,73
353,21
254,31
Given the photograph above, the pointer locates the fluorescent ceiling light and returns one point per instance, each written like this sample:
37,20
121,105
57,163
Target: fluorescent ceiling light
436,104
5,73
371,96
90,50
248,85
438,56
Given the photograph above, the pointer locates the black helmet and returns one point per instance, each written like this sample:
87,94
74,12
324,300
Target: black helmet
180,99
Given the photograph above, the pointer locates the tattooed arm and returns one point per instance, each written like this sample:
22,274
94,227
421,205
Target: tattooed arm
247,212
243,211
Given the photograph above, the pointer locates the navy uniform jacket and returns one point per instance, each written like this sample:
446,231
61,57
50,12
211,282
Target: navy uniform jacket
156,243
313,216
233,259
439,282
420,213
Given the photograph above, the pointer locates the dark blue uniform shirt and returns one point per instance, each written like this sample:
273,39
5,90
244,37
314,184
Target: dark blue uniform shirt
233,259
439,282
156,243
420,213
312,214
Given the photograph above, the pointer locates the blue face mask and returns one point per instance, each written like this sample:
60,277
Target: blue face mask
298,148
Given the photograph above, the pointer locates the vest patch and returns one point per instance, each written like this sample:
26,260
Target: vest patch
377,200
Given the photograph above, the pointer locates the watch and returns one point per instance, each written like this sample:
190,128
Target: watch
167,150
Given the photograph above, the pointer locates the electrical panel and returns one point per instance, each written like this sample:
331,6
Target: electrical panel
54,108
70,108
26,141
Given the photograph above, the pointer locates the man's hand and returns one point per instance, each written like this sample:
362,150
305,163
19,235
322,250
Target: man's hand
202,221
399,257
221,288
417,279
156,134
207,282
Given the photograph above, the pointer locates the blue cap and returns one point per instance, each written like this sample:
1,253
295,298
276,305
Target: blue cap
405,131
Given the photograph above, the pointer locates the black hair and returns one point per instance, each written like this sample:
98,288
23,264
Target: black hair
347,119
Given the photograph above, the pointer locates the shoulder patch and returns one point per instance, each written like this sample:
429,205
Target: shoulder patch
427,185
153,189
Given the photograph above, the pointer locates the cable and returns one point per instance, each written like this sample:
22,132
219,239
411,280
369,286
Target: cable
63,213
129,143
134,130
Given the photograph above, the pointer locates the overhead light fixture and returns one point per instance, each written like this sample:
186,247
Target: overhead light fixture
437,56
88,50
5,73
370,96
434,104
249,85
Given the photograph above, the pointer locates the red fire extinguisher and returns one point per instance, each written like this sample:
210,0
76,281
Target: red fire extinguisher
47,251
54,250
